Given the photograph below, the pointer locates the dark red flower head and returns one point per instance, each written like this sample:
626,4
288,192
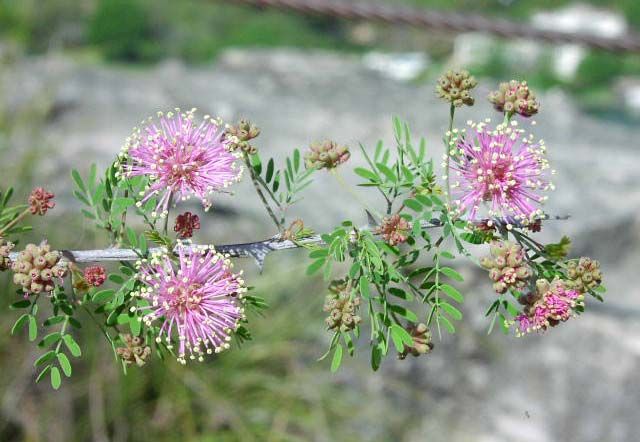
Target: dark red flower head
186,223
95,275
40,201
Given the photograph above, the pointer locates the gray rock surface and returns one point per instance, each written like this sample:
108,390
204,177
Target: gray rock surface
577,384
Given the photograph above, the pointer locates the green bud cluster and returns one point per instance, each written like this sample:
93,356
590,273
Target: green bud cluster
507,267
515,97
326,155
455,87
135,350
422,343
341,308
241,134
5,249
37,267
584,274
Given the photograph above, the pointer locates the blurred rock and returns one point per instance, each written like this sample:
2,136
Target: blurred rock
397,66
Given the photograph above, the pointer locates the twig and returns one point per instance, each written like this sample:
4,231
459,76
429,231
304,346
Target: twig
257,250
256,185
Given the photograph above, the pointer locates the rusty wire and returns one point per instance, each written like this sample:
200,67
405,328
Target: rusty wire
444,21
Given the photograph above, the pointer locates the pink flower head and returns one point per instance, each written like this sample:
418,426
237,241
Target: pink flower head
95,275
40,201
198,299
554,303
182,158
502,169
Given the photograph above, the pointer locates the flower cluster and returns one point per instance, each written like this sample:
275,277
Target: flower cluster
341,308
551,303
422,343
37,267
135,351
501,168
95,275
198,299
507,266
394,229
515,97
240,135
584,274
455,87
40,201
181,158
326,155
185,224
5,249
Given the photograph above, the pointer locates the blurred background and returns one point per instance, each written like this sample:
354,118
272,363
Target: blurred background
77,75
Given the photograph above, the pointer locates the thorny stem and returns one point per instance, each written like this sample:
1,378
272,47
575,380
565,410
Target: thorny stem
257,187
15,221
123,221
165,228
245,250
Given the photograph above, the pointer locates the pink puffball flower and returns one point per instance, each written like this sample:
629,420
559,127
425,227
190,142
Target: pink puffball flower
198,299
501,169
181,157
555,303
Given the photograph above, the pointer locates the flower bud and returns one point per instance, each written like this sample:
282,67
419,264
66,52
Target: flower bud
36,267
514,97
40,201
455,87
326,155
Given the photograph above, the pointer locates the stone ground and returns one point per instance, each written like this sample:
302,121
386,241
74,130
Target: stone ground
577,384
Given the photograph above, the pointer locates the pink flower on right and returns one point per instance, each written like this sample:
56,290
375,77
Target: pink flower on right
552,304
501,169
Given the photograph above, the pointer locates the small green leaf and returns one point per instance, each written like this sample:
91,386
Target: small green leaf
78,179
135,325
337,358
413,205
363,285
315,266
64,364
560,250
448,271
73,347
20,304
102,296
121,204
132,237
388,173
366,174
55,378
376,357
270,169
447,324
53,320
33,328
50,339
319,253
118,279
22,320
48,356
400,337
452,292
44,371
451,310
296,160
404,312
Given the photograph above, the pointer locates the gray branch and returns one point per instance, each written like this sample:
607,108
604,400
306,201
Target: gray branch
256,250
